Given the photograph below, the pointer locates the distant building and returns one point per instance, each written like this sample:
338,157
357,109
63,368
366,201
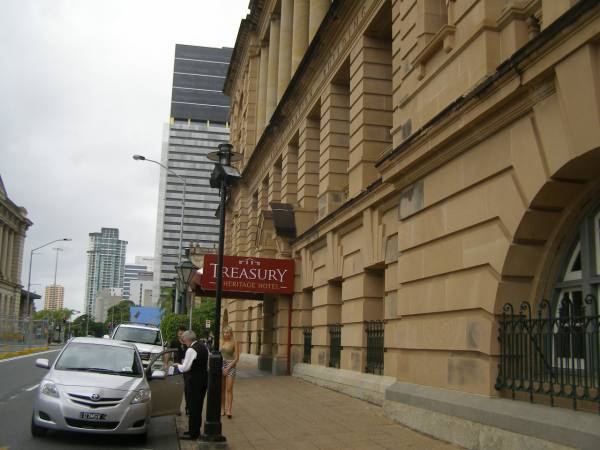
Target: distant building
199,114
54,297
131,273
13,225
105,264
141,289
147,261
105,299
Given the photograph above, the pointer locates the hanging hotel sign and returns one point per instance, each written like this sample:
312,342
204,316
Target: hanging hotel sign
243,274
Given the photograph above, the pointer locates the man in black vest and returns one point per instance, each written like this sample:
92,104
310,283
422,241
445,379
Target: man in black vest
195,363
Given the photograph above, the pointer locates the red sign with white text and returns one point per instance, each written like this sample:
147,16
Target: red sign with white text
245,274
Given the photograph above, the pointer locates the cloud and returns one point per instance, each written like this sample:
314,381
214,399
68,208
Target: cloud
84,85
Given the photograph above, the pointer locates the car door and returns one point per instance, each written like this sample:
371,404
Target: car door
167,393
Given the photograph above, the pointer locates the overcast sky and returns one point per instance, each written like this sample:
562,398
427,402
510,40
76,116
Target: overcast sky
85,84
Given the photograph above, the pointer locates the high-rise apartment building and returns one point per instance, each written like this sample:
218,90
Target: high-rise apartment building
199,112
105,264
54,297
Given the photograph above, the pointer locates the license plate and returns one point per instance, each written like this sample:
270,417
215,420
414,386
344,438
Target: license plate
92,416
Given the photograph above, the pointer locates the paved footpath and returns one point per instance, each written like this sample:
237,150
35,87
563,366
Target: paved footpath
281,413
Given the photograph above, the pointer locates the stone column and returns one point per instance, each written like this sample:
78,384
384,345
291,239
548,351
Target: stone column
11,256
300,32
371,116
273,68
333,163
362,300
285,47
262,91
265,360
2,239
289,175
308,164
251,126
318,9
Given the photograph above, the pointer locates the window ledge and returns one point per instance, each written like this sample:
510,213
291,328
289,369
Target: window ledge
444,38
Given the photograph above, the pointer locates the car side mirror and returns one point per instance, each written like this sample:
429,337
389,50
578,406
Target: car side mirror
42,363
158,375
106,336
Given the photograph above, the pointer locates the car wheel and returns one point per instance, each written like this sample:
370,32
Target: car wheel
36,430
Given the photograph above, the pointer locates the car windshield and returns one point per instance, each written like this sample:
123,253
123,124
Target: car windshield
139,335
100,358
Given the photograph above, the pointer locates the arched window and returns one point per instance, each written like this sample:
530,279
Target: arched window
575,296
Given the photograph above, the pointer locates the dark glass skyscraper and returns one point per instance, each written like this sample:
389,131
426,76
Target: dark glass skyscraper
198,124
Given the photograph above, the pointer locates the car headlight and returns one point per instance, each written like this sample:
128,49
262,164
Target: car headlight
142,396
49,388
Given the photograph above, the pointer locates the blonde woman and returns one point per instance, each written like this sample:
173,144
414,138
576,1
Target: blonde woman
230,349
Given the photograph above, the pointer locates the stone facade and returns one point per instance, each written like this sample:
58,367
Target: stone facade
13,226
439,156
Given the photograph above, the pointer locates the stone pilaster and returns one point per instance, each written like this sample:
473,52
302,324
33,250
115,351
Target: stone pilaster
261,107
285,47
274,193
362,296
308,164
299,32
334,135
273,67
318,9
280,334
289,176
370,111
265,360
326,310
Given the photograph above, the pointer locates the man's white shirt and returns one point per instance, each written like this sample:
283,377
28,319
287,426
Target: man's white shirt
190,356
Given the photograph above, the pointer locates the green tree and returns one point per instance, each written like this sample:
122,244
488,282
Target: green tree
80,325
205,311
119,313
165,301
53,315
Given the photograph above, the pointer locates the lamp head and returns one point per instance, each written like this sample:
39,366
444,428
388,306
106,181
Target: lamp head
139,158
225,155
67,239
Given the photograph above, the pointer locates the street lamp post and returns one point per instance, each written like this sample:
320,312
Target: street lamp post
185,271
31,260
172,172
222,176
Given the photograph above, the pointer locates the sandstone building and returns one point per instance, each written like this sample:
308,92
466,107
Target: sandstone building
13,226
441,158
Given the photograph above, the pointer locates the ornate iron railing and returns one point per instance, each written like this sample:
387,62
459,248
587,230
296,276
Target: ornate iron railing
335,345
375,348
307,332
553,353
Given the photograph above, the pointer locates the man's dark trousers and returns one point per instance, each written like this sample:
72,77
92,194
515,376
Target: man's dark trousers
198,378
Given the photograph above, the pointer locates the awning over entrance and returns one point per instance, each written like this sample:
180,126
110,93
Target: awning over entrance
245,277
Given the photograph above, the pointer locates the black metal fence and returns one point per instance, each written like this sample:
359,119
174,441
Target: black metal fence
335,345
554,352
307,332
375,348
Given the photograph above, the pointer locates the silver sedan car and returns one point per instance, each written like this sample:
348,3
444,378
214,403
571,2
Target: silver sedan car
100,386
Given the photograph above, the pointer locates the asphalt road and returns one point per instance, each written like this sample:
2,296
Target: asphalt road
19,379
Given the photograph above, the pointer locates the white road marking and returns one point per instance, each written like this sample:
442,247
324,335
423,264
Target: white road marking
32,387
28,356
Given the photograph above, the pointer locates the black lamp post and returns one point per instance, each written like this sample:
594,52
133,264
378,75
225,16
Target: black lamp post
222,177
185,270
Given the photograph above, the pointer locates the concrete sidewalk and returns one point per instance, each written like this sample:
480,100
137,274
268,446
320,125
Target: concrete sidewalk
279,413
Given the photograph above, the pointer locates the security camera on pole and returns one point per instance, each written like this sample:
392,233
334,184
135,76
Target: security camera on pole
222,177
